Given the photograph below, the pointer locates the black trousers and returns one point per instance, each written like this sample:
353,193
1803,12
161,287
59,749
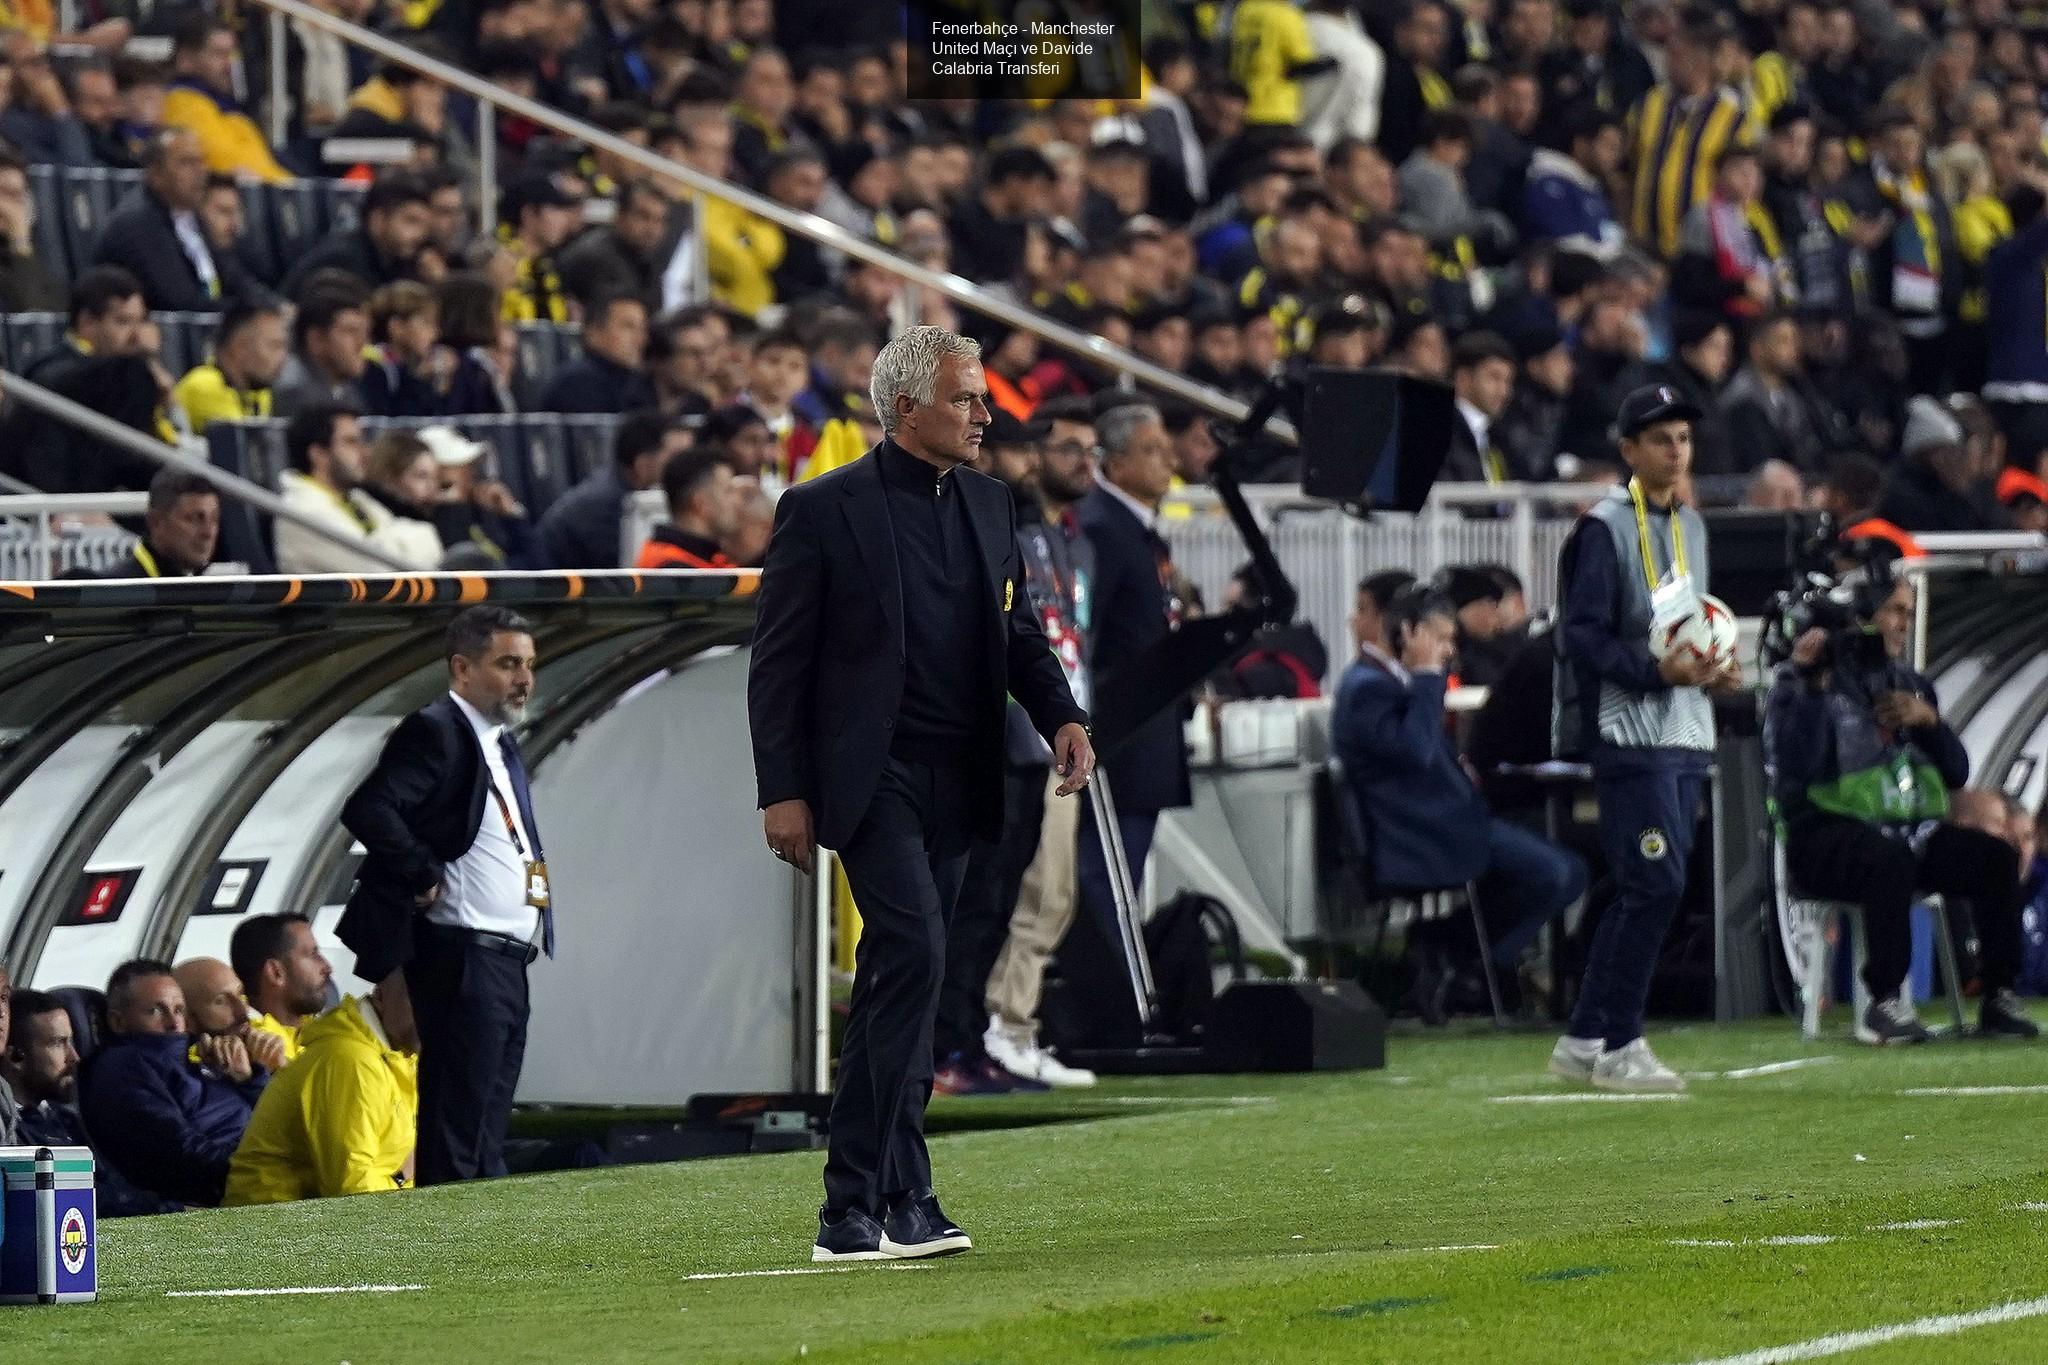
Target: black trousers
470,1002
981,919
1835,858
904,864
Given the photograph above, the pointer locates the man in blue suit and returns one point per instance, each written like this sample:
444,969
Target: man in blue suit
1427,824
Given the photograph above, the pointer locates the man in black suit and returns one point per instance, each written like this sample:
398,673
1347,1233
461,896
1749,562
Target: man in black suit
156,234
455,890
1135,607
892,625
1483,378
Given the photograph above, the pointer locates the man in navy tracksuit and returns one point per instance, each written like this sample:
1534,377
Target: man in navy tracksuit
1646,727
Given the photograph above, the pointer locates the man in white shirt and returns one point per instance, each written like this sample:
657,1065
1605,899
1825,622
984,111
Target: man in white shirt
455,890
324,444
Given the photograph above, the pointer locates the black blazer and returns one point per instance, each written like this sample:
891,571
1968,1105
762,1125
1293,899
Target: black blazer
140,238
826,680
415,813
1149,771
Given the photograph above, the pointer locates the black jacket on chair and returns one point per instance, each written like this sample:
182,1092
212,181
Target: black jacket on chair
1148,771
827,676
415,813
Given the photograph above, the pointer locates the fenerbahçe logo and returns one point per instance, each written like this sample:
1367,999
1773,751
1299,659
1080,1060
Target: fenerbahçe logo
71,1241
1653,844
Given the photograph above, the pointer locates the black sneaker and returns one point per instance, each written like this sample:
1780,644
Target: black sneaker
917,1228
2002,1017
1891,1023
853,1237
998,1074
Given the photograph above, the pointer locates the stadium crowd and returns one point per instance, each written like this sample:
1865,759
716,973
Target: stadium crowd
1823,224
1799,215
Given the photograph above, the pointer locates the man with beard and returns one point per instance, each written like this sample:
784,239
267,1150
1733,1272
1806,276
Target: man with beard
324,445
454,890
39,1065
284,975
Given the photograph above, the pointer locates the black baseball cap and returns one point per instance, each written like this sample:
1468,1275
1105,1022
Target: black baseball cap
1651,404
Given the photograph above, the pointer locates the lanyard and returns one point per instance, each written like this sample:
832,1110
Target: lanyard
1635,493
146,560
511,825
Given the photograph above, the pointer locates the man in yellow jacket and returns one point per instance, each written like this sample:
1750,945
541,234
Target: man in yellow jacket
204,54
249,350
343,1117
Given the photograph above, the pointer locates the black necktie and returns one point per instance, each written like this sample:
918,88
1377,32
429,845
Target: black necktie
522,794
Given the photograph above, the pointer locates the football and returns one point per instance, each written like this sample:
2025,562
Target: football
1709,633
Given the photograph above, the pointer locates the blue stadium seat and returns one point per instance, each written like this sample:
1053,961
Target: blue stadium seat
33,335
188,339
259,247
341,204
254,450
508,463
88,195
590,442
294,217
548,471
48,234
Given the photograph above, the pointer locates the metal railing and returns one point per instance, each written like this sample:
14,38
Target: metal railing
104,428
39,540
964,292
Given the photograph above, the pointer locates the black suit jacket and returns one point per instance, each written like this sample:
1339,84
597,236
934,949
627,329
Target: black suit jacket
140,238
415,813
826,680
1150,769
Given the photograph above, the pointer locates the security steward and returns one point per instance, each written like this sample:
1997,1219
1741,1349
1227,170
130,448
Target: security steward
455,890
1646,728
892,625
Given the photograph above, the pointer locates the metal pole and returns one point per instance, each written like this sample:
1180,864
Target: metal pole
230,485
487,169
280,105
826,233
42,554
700,253
1125,893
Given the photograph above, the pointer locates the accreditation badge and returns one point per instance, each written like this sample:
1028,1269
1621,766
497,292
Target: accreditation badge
537,885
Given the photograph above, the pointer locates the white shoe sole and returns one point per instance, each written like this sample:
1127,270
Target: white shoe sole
1869,1036
1674,1086
819,1253
922,1251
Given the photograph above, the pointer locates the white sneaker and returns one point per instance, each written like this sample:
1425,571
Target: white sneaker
1022,1056
1635,1070
1574,1058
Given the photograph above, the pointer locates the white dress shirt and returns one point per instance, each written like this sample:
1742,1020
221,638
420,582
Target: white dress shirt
486,887
1148,517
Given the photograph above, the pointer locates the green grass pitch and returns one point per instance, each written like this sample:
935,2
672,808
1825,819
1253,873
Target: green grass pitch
1402,1215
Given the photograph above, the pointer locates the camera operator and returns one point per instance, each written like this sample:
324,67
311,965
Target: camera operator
1862,765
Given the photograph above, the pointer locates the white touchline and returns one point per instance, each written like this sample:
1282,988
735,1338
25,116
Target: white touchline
1841,1343
1808,1239
806,1270
1916,1224
1469,1246
1773,1068
307,1289
1581,1099
1967,1090
2032,1206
